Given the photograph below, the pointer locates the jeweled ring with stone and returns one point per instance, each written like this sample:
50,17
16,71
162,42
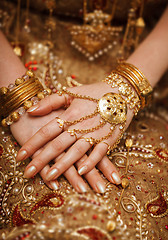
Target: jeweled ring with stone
61,122
72,133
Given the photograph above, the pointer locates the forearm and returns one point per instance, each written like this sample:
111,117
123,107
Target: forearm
10,65
151,57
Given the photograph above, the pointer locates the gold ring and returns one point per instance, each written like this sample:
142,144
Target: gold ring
67,103
72,133
89,140
61,122
109,149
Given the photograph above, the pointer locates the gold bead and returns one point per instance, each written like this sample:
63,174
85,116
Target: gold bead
140,24
30,73
111,225
3,123
125,183
15,116
49,91
128,142
40,95
3,90
28,104
18,81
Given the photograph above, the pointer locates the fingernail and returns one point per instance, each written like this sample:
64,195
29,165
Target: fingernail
33,108
82,187
82,170
53,173
116,178
54,185
30,172
100,186
21,155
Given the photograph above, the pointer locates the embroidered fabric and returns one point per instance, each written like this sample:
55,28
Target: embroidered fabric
30,210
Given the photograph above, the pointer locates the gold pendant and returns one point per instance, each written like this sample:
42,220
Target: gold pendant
112,108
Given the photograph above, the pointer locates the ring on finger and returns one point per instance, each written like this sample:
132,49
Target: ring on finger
72,133
89,140
61,122
109,148
67,103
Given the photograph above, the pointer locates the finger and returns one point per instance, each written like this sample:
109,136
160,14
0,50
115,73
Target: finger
73,177
109,170
98,153
75,153
94,178
41,137
49,104
50,152
95,156
51,184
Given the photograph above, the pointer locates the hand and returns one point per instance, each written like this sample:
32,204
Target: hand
27,126
60,141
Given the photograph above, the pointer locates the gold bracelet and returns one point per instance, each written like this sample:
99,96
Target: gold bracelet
20,95
18,99
125,89
112,108
138,80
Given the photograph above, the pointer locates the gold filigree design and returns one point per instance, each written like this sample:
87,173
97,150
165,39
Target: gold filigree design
141,216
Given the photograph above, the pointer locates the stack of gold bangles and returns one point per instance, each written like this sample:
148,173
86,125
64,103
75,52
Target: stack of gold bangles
19,97
138,81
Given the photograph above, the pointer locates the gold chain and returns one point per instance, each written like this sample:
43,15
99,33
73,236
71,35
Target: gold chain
89,129
114,123
82,118
76,95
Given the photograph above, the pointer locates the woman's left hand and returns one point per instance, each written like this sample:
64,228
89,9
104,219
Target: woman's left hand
59,140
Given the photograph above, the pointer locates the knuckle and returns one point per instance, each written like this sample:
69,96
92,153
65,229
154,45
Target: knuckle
44,132
80,149
73,113
57,145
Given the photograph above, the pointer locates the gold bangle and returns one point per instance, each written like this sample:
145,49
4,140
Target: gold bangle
125,89
19,99
130,79
25,97
19,93
138,79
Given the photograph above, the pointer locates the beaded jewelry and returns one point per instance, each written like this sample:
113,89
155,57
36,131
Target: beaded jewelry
19,97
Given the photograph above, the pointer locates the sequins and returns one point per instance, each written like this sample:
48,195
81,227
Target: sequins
157,207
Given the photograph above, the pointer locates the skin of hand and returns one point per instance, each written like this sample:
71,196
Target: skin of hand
59,141
153,65
152,59
28,125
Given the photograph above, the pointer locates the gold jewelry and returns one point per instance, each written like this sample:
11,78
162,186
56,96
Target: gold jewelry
20,95
66,101
72,133
112,109
125,90
138,80
109,149
96,36
61,123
